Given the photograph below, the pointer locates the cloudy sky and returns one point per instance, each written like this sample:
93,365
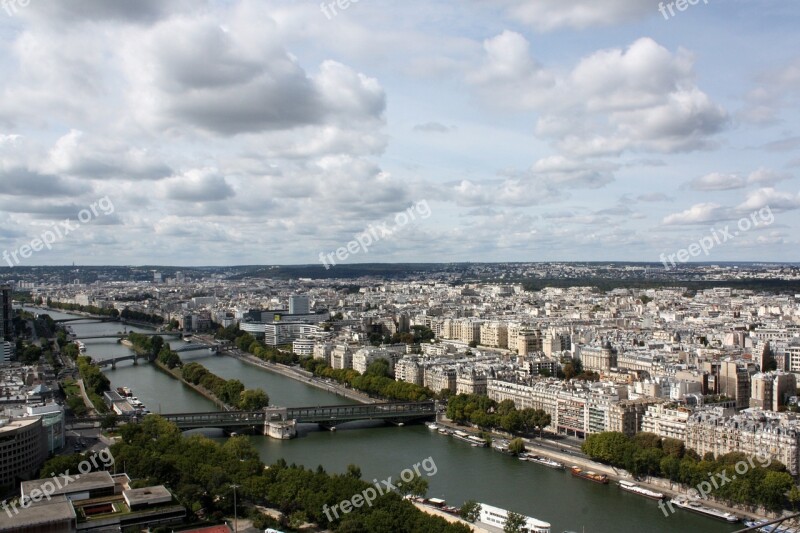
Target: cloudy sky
269,131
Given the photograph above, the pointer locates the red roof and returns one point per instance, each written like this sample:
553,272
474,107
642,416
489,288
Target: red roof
213,529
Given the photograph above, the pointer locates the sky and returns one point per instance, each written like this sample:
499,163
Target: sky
236,132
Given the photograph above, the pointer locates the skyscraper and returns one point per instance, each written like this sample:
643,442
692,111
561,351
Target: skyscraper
6,326
298,305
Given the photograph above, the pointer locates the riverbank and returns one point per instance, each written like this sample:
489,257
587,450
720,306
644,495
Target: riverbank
450,518
614,474
208,395
303,377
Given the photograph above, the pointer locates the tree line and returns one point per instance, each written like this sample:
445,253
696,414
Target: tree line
647,454
201,473
489,414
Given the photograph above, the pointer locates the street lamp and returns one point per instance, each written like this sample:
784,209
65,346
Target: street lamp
235,515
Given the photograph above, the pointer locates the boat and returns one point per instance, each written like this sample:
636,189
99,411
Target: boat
81,347
545,461
589,475
496,517
773,528
636,489
469,439
432,425
697,507
444,431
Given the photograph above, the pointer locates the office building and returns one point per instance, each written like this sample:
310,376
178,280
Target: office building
298,305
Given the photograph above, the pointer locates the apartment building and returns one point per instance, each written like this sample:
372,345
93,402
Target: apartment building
471,381
769,391
439,378
598,358
409,370
529,341
666,420
494,334
753,432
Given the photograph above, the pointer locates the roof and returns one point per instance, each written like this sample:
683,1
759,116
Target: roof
56,510
72,484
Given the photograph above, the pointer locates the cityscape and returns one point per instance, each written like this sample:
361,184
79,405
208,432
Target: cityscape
360,266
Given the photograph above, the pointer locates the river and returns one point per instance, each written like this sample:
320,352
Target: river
462,472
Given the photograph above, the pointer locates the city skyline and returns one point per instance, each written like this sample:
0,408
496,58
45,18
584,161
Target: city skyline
276,133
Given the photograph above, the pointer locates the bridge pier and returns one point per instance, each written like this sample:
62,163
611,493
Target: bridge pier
277,424
113,364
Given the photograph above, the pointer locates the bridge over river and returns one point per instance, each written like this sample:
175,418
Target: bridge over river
280,422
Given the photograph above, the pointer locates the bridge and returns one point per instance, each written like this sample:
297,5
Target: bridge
114,360
125,335
279,422
85,318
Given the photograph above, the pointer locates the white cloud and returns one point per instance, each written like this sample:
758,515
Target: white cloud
548,15
697,214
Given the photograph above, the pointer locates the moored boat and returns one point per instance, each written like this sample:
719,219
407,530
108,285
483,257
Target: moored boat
589,475
636,489
697,507
545,461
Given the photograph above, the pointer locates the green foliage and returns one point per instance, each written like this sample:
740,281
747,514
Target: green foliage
515,523
109,421
253,399
647,455
200,472
231,392
488,414
470,511
379,368
516,446
379,386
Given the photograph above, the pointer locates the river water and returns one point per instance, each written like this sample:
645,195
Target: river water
462,472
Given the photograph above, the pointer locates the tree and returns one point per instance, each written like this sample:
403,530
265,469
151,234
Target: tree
354,471
794,497
514,523
470,511
379,368
416,487
517,446
253,399
473,344
109,421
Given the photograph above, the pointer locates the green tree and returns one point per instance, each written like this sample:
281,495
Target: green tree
516,446
470,511
515,523
354,471
794,497
109,421
253,399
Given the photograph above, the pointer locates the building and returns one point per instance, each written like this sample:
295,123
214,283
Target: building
342,357
104,503
471,381
6,314
769,391
598,358
626,416
23,448
298,305
304,347
529,341
494,334
753,432
439,378
366,356
666,420
520,393
410,371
